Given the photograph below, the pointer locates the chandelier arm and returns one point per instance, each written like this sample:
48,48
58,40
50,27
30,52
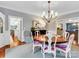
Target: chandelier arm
50,19
45,19
53,19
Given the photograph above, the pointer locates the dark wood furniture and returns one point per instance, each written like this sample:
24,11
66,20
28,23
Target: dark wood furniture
76,35
41,32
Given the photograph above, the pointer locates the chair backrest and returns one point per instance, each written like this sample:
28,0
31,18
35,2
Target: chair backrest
49,34
70,41
67,35
36,34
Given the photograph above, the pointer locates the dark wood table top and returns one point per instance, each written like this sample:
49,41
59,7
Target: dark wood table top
60,40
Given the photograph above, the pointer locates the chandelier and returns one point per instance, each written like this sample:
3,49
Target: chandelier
51,15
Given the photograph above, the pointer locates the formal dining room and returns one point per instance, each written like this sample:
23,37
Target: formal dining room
39,29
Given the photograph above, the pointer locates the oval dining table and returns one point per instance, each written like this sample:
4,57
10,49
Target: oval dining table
60,40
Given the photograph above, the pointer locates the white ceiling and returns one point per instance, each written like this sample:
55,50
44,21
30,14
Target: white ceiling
37,7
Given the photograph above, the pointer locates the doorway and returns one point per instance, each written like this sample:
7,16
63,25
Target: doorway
16,26
73,28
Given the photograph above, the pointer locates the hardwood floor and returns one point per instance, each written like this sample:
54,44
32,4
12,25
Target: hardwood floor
2,51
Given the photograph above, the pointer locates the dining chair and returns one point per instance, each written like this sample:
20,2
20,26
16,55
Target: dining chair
49,48
35,42
66,48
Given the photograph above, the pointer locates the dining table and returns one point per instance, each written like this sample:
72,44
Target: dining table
42,38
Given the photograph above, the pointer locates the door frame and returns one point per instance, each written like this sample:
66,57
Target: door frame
21,35
66,28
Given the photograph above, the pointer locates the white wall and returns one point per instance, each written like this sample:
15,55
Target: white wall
27,19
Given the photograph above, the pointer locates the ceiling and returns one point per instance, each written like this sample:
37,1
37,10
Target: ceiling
37,7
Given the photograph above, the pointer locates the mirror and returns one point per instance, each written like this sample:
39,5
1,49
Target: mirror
1,25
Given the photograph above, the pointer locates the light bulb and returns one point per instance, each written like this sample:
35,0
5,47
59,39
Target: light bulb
56,13
43,14
53,15
52,12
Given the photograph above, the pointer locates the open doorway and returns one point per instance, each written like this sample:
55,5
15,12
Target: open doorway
73,28
16,27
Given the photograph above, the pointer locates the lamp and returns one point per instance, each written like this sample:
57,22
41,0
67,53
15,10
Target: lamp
51,14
